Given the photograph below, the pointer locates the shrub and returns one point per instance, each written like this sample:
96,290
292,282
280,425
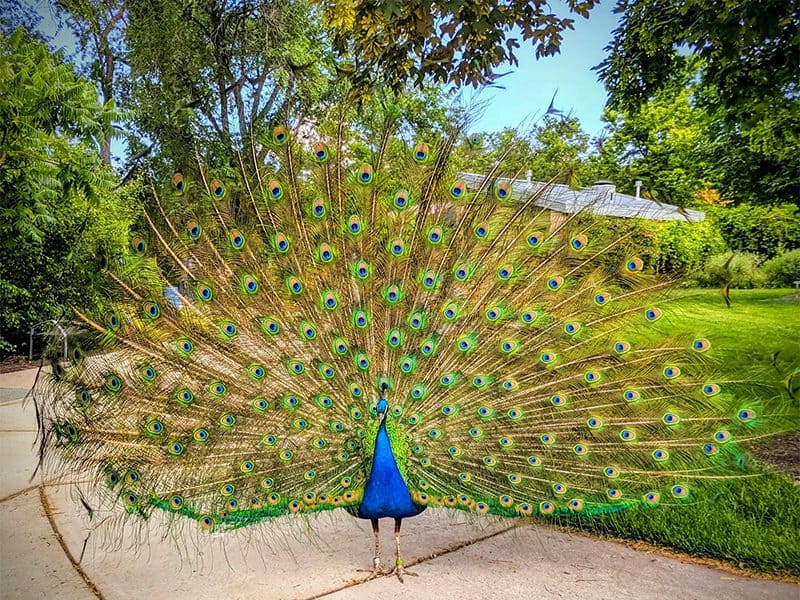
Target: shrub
665,246
741,272
783,270
767,230
678,246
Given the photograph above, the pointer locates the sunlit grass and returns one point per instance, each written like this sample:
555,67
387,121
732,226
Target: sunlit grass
758,324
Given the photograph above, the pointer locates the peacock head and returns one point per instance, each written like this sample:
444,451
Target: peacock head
381,407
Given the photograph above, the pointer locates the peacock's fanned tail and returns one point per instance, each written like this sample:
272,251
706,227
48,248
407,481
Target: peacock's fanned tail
528,368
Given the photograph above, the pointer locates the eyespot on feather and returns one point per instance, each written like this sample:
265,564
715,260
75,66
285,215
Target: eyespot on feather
502,191
178,183
365,175
217,189
634,265
139,245
578,243
280,135
401,199
458,189
321,153
274,190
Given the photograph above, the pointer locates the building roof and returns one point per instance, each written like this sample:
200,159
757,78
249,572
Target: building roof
602,199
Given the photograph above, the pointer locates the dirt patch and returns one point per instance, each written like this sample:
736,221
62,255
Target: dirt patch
17,363
781,452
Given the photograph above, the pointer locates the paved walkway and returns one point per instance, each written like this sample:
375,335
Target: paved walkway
454,556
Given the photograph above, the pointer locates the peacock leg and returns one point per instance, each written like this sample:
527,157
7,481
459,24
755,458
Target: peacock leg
398,569
376,561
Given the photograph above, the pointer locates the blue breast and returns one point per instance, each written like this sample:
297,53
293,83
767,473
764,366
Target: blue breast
386,494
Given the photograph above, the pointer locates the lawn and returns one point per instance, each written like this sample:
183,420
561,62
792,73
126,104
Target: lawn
752,522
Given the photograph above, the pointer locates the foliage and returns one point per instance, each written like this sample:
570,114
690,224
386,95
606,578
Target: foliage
424,114
783,270
749,49
667,247
757,163
679,246
59,204
15,14
738,270
556,150
662,144
98,25
44,280
766,230
561,150
747,82
211,77
447,42
44,110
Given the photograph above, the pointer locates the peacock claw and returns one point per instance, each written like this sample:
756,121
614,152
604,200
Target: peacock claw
399,570
375,571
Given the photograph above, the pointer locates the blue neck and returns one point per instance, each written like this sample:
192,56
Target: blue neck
386,494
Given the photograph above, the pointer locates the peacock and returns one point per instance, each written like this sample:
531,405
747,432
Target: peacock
380,332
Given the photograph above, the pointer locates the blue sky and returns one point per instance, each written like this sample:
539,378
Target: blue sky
529,88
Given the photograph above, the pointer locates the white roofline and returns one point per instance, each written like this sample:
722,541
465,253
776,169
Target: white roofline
600,199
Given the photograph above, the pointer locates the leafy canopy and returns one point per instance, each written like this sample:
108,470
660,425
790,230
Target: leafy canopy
205,76
742,60
445,41
555,149
749,49
663,144
51,125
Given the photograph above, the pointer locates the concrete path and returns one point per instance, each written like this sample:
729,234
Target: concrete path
453,555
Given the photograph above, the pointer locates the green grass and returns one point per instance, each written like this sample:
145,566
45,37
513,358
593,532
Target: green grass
758,324
752,522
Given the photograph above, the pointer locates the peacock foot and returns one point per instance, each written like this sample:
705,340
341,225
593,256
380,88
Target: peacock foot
376,570
400,570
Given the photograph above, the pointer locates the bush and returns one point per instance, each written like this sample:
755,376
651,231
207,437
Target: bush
741,272
783,270
766,230
678,246
665,246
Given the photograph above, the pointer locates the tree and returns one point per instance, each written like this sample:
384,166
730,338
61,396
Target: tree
445,41
556,150
562,153
15,14
59,206
664,144
746,82
749,50
214,75
757,162
99,27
